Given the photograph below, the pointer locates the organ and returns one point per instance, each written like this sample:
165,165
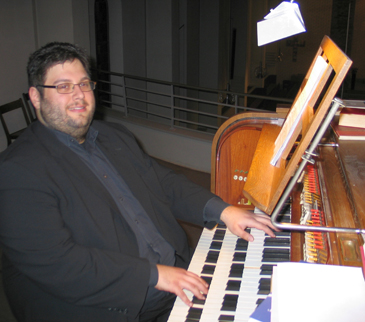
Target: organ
325,199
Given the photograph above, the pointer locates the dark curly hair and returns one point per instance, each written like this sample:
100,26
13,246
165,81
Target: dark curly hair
52,54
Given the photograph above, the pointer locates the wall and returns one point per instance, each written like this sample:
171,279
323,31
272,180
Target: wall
357,53
174,146
318,24
143,39
25,25
317,19
17,41
182,147
54,21
66,21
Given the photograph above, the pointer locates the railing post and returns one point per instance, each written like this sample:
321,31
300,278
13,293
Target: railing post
124,96
235,104
172,100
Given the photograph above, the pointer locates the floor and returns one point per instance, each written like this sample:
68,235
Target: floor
192,231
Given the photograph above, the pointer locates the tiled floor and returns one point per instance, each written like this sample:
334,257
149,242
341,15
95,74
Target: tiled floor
192,231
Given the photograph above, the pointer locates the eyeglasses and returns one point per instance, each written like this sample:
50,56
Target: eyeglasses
66,88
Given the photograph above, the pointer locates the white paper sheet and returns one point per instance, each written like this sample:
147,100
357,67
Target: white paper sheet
317,293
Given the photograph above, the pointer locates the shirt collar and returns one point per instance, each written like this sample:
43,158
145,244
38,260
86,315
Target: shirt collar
69,141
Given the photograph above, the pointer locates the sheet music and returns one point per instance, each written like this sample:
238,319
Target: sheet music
315,292
298,108
285,8
283,21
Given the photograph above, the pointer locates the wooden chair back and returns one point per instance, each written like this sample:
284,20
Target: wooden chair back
10,133
29,107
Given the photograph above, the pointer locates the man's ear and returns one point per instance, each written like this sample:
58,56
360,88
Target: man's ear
35,97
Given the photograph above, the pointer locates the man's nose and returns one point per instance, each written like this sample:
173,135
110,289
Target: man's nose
77,92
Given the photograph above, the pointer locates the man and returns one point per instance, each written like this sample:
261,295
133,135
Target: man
87,220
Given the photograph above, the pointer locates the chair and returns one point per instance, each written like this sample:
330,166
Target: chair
9,107
29,107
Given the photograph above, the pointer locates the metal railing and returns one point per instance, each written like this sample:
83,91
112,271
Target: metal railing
180,106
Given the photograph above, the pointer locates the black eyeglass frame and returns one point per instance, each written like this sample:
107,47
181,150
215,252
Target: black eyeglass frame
92,86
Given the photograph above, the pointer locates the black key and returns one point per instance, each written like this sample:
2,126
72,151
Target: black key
229,302
226,318
216,245
264,282
194,314
285,219
233,285
219,234
236,270
264,286
285,251
259,301
266,269
263,291
208,269
276,255
241,245
239,257
275,259
212,256
207,279
286,209
195,300
282,233
277,242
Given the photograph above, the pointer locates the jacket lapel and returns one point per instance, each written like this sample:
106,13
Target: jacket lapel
78,172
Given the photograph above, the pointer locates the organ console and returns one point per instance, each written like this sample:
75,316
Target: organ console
328,193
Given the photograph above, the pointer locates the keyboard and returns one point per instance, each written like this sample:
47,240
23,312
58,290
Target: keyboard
238,272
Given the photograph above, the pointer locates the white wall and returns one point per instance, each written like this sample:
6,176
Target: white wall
176,147
182,147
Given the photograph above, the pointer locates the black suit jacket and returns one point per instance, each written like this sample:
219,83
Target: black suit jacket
68,252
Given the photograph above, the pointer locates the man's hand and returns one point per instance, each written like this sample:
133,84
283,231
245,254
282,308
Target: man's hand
174,280
238,219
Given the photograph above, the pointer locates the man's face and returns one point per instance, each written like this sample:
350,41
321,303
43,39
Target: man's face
70,113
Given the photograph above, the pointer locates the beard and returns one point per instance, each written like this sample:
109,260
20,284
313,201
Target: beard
55,116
